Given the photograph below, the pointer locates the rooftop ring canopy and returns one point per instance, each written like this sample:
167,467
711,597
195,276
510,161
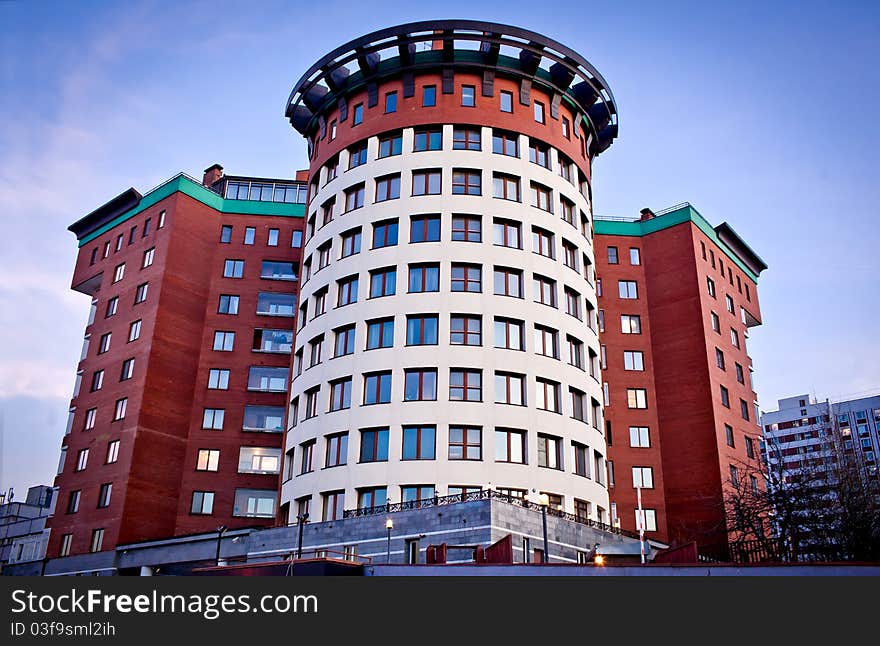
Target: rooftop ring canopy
487,48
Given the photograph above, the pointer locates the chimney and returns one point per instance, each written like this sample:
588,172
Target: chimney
212,174
437,44
647,214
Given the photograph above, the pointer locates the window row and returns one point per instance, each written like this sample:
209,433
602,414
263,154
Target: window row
251,459
116,244
730,275
247,503
111,456
264,340
273,235
464,443
147,261
269,269
260,378
464,329
464,384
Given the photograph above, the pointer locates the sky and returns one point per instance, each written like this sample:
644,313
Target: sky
763,115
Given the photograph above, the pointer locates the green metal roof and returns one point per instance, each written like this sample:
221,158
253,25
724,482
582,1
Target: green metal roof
676,216
188,186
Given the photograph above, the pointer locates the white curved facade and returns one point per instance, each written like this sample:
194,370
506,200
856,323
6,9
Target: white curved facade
582,493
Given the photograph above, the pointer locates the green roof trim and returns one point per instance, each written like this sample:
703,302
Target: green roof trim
686,213
181,183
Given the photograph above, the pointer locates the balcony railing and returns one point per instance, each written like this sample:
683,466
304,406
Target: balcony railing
484,494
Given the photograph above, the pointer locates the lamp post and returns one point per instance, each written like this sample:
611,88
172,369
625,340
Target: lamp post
220,531
300,519
389,525
544,502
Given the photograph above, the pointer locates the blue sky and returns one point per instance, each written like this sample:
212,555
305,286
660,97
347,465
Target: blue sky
760,114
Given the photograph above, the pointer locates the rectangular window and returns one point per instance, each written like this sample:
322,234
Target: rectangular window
263,460
390,102
542,197
224,341
634,256
351,242
424,278
149,254
570,256
383,282
418,442
633,360
468,96
250,234
372,498
750,448
354,197
66,542
208,460
97,541
465,443
97,380
112,307
420,384
509,334
82,460
466,278
510,388
549,451
233,268
140,294
428,139
104,343
357,114
734,476
466,228
719,358
212,419
505,187
465,329
426,182
344,341
576,355
547,395
573,303
424,228
710,285
612,256
218,379
296,239
268,304
104,494
127,371
510,445
729,302
744,409
506,233
465,385
254,503
374,445
377,388
646,519
466,138
272,340
267,379
508,282
429,96
388,187
112,452
627,289
89,423
346,292
380,333
734,338
307,457
725,397
546,341
202,503
506,101
385,234
73,501
581,460
466,182
539,153
728,436
337,450
636,398
265,419
643,477
630,324
639,437
421,329
542,243
740,375
228,304
505,143
716,322
545,290
539,112
578,404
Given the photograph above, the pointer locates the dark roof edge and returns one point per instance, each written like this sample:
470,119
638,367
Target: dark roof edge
126,200
731,238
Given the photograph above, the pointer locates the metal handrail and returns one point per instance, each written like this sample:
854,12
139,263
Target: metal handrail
484,494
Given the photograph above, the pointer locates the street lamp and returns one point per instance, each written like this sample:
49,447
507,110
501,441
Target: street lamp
300,519
220,531
389,525
544,502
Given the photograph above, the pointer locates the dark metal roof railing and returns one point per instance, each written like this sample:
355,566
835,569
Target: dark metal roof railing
570,75
483,494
